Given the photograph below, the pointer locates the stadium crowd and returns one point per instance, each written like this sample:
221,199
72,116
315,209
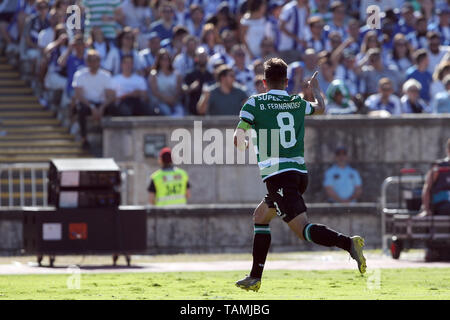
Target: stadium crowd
197,57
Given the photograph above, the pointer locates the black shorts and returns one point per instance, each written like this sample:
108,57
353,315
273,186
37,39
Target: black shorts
285,194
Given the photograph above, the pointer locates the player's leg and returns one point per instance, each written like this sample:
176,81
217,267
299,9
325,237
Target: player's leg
261,238
262,216
293,210
322,235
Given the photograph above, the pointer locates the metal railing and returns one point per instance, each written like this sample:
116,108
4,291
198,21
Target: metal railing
14,174
385,206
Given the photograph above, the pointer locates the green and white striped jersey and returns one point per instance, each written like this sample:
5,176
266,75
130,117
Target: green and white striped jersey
278,130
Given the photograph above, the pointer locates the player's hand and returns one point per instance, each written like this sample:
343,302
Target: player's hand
313,83
239,140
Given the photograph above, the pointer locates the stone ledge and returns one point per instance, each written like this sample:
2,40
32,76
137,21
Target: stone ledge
315,121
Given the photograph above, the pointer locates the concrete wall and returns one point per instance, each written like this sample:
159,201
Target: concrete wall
377,147
220,228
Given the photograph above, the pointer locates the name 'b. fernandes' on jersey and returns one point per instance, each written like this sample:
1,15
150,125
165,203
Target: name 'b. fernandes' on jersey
278,130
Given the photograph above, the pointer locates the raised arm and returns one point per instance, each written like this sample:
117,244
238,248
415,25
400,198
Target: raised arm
319,104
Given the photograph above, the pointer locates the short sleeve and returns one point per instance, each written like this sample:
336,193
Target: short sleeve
309,109
248,111
108,83
151,187
328,182
285,14
142,85
76,80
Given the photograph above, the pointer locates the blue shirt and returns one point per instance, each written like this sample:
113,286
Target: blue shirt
343,180
425,78
73,65
161,30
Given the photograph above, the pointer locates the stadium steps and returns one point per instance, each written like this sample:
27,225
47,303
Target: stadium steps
29,133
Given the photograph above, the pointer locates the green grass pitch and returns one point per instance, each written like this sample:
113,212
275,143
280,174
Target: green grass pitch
417,283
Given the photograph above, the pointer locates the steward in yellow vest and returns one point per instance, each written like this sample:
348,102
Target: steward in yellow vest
168,185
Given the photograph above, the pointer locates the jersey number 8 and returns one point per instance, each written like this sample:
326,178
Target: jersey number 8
284,128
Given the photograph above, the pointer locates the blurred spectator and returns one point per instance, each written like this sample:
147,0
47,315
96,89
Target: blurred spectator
293,28
130,90
195,20
168,185
442,99
418,38
97,42
184,61
321,8
175,44
211,40
338,99
441,71
46,35
94,93
258,67
316,36
259,84
326,74
411,102
334,41
342,183
223,98
164,26
105,14
443,25
273,19
435,51
223,18
126,40
267,49
225,56
348,71
405,24
375,70
166,86
295,74
7,13
197,79
148,55
243,75
400,57
311,61
337,21
253,27
419,71
56,76
33,25
138,16
385,99
73,60
370,41
181,14
354,34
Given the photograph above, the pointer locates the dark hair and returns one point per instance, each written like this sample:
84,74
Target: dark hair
433,35
275,72
419,55
222,71
179,31
161,53
254,5
125,31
